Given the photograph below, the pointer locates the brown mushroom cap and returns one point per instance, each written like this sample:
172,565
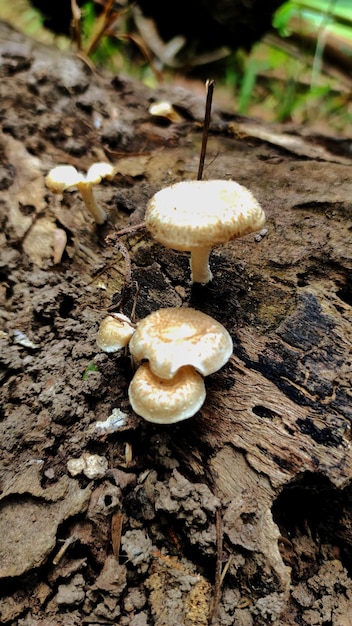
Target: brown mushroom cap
201,213
114,332
166,401
172,338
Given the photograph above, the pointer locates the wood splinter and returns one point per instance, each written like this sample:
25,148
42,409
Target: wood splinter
68,542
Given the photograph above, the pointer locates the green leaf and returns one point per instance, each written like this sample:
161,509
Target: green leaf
90,368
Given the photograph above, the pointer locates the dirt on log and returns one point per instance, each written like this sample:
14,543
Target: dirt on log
241,514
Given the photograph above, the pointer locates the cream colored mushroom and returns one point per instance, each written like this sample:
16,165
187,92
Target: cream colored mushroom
65,177
166,110
196,215
172,338
114,332
166,401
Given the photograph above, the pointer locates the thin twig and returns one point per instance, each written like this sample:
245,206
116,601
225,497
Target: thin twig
218,567
133,312
225,569
209,99
76,24
68,542
116,531
127,231
127,285
101,25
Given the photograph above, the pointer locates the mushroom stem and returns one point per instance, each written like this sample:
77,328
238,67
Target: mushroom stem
94,209
200,265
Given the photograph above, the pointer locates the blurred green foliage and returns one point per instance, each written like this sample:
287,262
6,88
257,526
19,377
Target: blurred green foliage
301,71
286,77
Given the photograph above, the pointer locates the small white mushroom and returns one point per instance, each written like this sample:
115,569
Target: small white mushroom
196,215
166,401
65,177
174,337
166,110
114,332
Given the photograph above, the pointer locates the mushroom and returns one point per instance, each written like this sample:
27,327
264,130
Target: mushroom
166,401
165,110
172,338
196,215
65,177
114,332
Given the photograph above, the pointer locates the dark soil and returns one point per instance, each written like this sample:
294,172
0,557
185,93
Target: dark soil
242,514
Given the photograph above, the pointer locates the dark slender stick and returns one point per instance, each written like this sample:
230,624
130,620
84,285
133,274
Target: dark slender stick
209,99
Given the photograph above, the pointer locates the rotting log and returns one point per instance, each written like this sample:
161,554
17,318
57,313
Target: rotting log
275,430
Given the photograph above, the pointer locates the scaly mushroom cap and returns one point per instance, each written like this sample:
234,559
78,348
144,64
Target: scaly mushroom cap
166,401
114,332
175,337
201,213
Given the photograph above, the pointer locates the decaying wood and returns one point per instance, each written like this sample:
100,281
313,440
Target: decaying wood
278,416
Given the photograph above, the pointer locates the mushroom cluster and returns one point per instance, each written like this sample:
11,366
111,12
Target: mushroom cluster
64,177
174,348
196,215
180,345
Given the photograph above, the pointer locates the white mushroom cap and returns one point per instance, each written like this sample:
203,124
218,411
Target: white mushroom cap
114,332
166,401
165,109
198,214
97,171
172,338
65,177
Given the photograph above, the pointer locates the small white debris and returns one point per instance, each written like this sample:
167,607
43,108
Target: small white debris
114,422
97,120
262,233
22,340
91,465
